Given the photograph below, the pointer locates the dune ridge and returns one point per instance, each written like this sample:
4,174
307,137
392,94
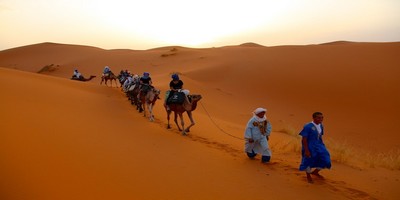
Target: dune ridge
356,85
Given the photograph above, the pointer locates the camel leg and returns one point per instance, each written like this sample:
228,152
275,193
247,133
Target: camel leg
143,106
140,106
182,123
133,100
140,103
168,117
150,108
176,121
192,123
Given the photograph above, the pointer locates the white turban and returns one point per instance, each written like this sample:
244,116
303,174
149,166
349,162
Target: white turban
259,110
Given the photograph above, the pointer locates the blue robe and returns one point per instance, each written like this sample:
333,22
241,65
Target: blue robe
320,157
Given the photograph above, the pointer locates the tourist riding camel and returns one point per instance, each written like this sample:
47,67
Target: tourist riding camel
173,94
127,83
123,76
145,83
146,79
107,71
78,76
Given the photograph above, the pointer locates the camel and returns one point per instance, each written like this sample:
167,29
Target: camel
121,78
133,96
81,78
188,106
110,77
148,100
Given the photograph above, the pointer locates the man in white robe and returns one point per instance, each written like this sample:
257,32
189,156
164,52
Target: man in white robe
256,135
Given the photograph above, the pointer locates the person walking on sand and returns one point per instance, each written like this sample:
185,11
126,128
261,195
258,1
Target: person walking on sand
313,151
257,134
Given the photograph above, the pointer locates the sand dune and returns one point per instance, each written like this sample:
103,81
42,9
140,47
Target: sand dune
65,139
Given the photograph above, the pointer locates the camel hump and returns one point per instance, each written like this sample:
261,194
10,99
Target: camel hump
177,98
186,104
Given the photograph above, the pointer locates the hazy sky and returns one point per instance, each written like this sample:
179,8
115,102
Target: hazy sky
146,24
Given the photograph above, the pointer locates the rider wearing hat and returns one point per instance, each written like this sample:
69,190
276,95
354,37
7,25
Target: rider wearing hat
145,79
145,83
175,85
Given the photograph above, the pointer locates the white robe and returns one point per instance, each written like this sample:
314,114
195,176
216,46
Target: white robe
260,144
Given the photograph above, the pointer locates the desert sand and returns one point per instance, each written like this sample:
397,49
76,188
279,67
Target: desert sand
65,139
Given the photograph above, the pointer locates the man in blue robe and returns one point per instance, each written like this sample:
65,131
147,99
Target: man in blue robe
314,153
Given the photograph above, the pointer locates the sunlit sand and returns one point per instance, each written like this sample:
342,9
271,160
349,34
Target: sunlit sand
65,139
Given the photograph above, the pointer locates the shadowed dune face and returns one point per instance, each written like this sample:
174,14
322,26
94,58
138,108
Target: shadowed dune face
83,139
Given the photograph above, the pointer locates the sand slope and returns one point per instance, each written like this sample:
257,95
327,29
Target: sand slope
355,84
65,139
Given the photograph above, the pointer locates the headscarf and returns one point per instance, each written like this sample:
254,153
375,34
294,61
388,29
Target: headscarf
261,123
257,111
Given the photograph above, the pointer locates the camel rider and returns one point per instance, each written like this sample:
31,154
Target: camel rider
175,85
128,82
145,82
145,79
107,71
77,75
135,79
123,76
176,94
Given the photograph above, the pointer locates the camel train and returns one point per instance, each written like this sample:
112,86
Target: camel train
144,96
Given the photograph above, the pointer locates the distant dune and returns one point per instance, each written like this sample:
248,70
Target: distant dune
338,42
65,139
251,44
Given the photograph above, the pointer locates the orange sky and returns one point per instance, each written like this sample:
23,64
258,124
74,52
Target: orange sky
153,23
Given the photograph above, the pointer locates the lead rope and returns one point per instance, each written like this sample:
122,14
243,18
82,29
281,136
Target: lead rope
216,125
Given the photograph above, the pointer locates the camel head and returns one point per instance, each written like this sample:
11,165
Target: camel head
156,91
195,97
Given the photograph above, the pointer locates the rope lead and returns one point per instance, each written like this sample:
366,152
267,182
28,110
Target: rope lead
216,125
